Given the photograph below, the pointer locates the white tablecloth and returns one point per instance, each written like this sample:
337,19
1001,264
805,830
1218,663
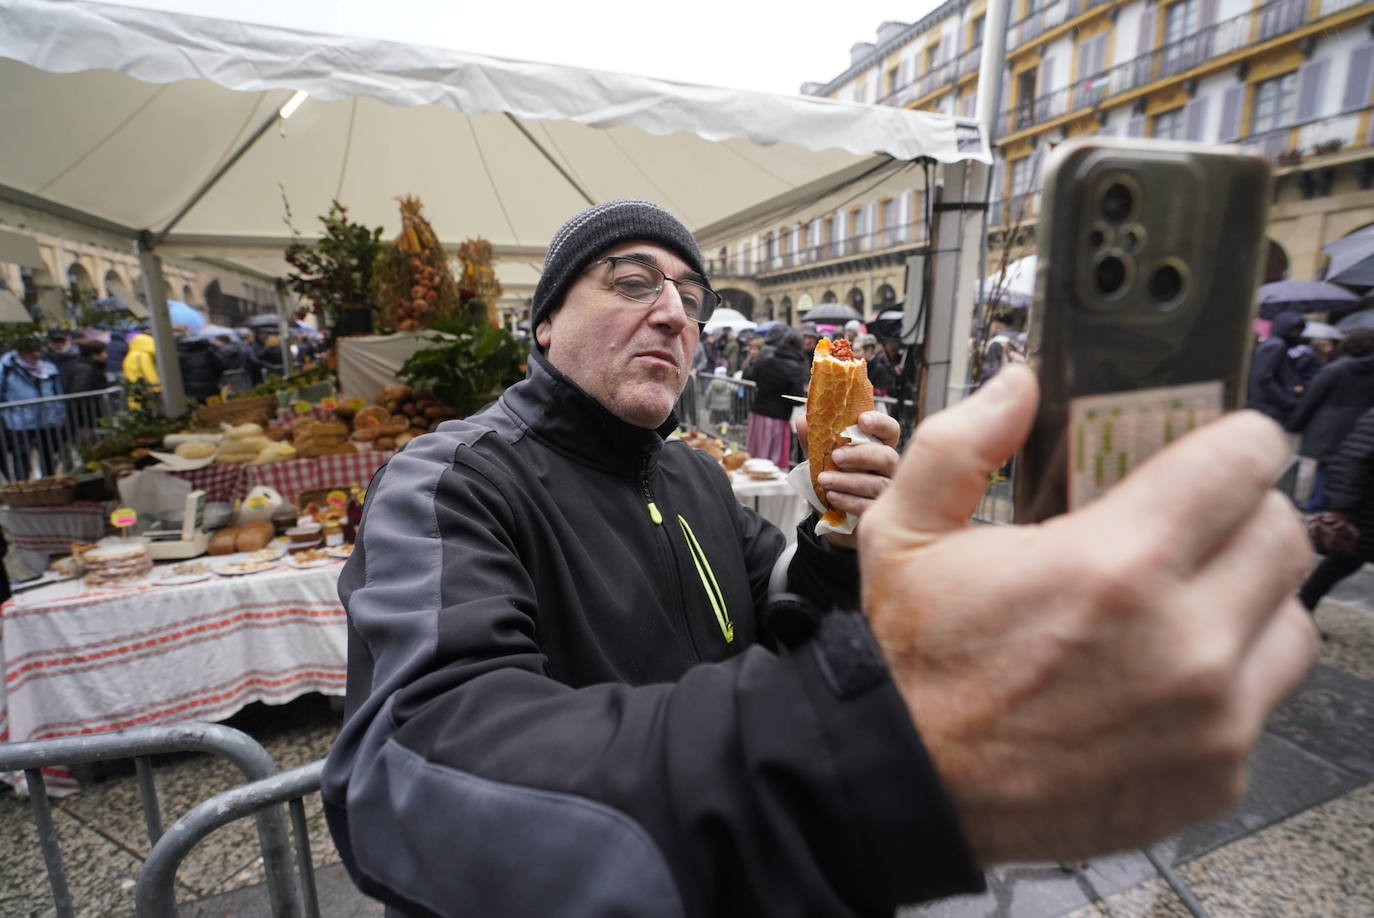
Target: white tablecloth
775,501
80,661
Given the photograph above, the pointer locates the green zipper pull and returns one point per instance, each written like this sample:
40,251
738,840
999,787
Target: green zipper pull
654,514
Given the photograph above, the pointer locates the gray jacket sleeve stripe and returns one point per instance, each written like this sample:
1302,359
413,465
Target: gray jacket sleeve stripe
585,859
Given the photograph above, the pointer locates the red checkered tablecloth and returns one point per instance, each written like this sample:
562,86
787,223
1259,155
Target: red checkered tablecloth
290,478
222,483
229,483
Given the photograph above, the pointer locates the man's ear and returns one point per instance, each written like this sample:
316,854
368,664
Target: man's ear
544,333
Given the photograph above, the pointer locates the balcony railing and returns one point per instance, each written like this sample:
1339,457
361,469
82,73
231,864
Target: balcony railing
1316,137
1037,22
1252,27
942,75
749,262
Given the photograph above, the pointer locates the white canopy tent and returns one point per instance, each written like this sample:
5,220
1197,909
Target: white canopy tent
169,128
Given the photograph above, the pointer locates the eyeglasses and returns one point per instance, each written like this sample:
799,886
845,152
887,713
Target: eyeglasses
642,282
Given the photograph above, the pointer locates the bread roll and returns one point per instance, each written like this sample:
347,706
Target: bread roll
838,394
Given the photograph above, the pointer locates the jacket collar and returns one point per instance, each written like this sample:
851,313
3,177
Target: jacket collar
554,409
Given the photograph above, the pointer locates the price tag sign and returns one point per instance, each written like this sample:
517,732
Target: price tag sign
328,402
336,499
301,407
357,404
123,517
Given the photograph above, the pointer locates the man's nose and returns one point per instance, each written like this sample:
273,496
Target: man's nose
668,309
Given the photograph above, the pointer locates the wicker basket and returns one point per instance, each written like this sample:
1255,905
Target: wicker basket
45,492
258,410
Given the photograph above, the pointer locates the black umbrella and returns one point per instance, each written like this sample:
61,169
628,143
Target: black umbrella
1352,259
262,319
1362,319
832,313
1303,296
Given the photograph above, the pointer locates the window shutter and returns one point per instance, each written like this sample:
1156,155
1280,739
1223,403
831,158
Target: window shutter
1046,75
1311,82
1230,114
1207,14
1194,114
1136,126
1358,78
1146,39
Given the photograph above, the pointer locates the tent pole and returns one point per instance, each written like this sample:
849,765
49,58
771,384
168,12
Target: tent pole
284,331
957,223
990,64
155,289
204,189
553,162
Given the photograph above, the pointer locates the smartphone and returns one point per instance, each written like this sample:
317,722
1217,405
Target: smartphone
1148,256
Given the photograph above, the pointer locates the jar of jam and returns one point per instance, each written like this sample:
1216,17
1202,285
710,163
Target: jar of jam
333,533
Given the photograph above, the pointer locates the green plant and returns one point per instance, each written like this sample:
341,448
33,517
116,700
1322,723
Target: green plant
16,336
334,274
275,383
141,425
467,364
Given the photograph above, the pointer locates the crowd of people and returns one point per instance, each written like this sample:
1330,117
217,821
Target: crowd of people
776,358
1322,392
69,363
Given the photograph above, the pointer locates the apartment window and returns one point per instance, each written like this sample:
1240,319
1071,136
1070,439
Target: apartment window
932,57
976,32
887,215
893,76
1020,187
1025,99
1275,101
1181,27
828,235
1169,125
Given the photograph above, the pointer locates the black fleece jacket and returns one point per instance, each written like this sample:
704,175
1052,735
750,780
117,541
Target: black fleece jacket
561,701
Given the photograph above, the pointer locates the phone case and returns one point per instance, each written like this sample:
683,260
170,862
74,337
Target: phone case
1148,257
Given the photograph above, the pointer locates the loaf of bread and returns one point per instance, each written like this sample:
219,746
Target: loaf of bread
254,535
222,542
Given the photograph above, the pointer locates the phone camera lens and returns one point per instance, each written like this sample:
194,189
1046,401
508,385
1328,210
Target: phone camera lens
1111,275
1117,203
1166,286
1096,238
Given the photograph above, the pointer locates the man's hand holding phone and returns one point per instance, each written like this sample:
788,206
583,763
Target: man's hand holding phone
1096,681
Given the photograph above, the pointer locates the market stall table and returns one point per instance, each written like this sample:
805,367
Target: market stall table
79,661
229,483
37,533
775,501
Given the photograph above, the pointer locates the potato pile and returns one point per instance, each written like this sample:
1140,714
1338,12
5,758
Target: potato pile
399,416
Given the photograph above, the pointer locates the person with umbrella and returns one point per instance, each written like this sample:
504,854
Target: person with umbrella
1274,384
1341,392
200,365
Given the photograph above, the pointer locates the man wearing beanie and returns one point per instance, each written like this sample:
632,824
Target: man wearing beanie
569,692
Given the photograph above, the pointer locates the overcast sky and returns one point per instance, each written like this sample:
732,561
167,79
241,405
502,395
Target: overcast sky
745,44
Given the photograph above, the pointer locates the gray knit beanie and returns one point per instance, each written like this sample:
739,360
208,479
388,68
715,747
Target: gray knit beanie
596,229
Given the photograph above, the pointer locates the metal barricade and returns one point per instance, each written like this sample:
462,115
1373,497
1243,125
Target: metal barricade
155,892
140,745
717,405
44,436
